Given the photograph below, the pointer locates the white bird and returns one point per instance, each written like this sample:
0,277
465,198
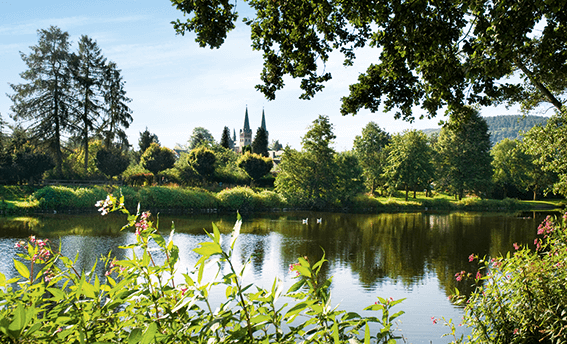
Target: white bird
320,220
305,221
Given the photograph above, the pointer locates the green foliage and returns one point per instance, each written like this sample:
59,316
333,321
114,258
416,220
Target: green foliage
255,165
520,297
245,199
409,164
203,161
547,146
511,126
139,301
429,55
139,179
349,177
225,140
176,198
275,145
201,137
371,152
308,178
463,152
60,197
156,159
111,162
146,139
260,143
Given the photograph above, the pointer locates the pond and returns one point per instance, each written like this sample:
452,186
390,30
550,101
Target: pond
402,255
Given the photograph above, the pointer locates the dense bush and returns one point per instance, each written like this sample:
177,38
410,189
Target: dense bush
61,197
522,297
239,198
138,301
176,198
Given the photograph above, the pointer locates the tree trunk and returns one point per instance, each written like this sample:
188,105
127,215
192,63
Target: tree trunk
535,194
414,192
407,192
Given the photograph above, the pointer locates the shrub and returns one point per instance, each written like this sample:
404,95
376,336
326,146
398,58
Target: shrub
139,179
239,198
62,197
521,298
137,301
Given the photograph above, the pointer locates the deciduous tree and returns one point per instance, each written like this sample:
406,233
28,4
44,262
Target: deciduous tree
464,161
201,137
409,165
369,148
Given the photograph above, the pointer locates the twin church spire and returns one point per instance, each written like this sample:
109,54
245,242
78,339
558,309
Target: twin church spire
246,132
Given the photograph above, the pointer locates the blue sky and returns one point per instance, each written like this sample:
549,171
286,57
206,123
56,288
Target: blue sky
176,86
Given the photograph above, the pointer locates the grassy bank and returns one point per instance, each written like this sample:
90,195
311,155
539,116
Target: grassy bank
22,199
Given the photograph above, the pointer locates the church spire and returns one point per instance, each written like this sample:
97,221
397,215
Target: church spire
264,121
246,122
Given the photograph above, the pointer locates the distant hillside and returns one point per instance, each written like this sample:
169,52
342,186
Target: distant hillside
501,127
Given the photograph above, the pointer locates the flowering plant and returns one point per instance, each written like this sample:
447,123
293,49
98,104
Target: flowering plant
521,297
138,300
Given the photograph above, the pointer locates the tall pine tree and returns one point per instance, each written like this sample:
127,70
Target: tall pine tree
47,99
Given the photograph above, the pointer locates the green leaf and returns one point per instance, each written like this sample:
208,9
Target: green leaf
19,320
208,249
296,286
216,234
22,269
366,334
135,336
335,334
149,334
2,280
158,239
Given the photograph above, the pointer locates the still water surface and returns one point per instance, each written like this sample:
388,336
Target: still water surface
404,255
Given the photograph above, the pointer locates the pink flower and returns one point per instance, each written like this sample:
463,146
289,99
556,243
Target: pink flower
516,246
32,238
478,275
292,268
17,245
183,290
108,273
516,331
434,320
471,257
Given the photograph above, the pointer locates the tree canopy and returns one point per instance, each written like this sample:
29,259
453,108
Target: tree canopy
369,148
260,143
201,137
430,54
463,148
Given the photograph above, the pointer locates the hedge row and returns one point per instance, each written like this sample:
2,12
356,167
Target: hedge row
158,197
166,198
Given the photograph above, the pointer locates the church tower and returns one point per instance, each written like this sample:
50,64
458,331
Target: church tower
245,133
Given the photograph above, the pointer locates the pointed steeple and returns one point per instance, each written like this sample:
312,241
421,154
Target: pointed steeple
246,122
233,135
264,121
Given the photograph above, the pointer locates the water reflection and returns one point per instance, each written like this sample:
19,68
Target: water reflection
409,255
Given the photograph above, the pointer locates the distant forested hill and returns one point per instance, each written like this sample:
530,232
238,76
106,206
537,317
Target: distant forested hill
501,127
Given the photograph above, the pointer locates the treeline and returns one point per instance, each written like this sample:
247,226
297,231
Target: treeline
458,161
